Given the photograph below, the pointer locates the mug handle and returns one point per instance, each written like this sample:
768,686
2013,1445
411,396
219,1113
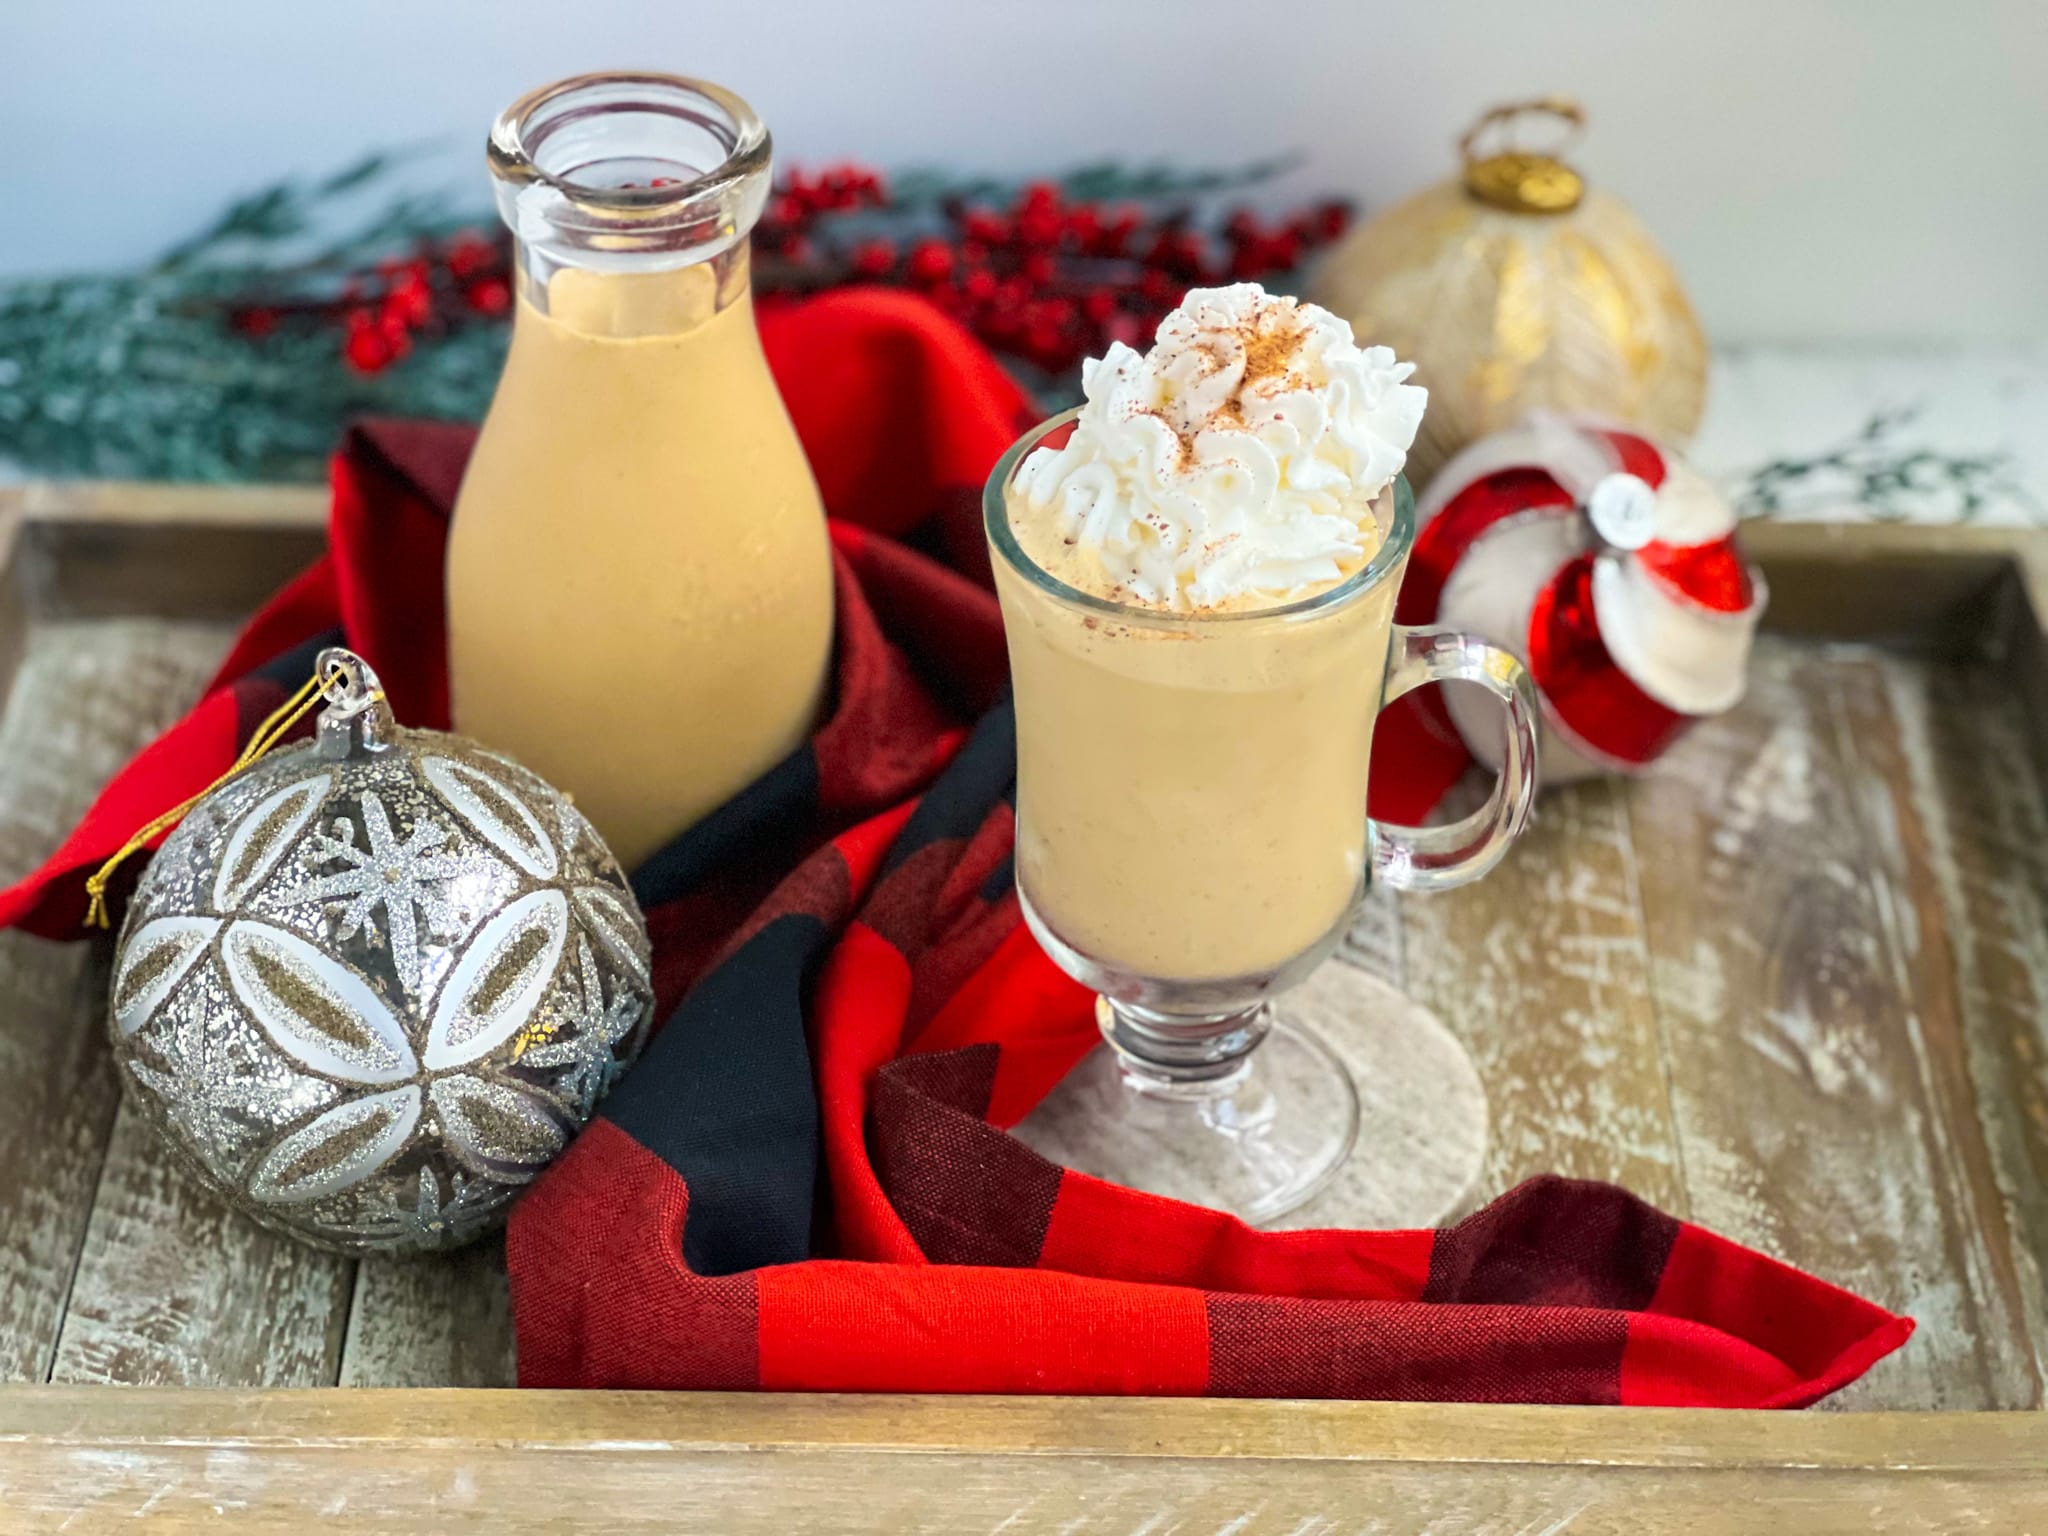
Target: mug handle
1437,858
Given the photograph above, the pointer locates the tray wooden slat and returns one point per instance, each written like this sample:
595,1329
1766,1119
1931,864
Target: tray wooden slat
173,1289
84,703
1540,969
174,552
431,1322
1795,1017
1885,710
1970,868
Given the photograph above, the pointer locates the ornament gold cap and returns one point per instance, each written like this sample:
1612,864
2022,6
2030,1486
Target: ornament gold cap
1519,180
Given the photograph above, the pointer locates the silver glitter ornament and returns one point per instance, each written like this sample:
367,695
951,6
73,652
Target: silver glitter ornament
373,983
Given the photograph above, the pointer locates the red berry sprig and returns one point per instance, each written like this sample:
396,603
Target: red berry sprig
798,201
1041,276
441,285
1044,277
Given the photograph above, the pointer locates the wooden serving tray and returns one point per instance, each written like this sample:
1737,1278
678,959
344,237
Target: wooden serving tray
1793,984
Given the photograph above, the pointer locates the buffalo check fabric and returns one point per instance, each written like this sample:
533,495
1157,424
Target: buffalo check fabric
805,1182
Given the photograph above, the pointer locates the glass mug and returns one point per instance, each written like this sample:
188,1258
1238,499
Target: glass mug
1192,840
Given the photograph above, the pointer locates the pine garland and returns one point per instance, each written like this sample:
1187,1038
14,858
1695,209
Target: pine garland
242,351
146,375
1889,480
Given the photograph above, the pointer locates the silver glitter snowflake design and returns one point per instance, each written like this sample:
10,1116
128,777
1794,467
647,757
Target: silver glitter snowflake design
429,1222
398,876
590,1046
223,1099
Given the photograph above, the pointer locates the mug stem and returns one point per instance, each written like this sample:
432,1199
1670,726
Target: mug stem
1176,1056
1252,1112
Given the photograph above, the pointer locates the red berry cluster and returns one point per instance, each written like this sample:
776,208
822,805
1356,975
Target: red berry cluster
443,283
435,286
1047,278
798,200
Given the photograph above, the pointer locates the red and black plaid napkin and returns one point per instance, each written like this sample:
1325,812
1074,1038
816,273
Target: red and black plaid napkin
803,1183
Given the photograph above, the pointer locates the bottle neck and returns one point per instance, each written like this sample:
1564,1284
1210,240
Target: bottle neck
624,300
630,198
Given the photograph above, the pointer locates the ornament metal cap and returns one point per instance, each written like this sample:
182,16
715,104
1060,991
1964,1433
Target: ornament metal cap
1519,180
356,718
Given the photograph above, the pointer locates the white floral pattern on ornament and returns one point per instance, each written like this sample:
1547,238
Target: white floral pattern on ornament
263,837
496,813
330,1018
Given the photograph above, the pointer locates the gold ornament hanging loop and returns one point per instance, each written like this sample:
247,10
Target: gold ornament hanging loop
1519,180
330,684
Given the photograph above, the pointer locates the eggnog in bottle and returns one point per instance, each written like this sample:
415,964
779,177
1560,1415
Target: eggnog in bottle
639,581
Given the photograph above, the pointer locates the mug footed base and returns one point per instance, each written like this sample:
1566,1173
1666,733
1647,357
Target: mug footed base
1357,1109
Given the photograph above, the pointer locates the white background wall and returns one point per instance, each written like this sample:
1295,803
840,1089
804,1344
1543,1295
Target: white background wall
1818,168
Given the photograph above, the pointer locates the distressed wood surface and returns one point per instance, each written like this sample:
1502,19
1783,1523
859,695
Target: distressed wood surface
173,1289
1959,769
84,699
431,1322
1811,1036
1540,969
508,1461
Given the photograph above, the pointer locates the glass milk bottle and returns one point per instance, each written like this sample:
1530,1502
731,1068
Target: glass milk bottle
639,583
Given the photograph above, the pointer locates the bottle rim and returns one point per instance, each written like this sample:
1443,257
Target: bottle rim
533,143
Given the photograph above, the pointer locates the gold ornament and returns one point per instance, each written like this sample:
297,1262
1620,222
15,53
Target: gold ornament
1514,287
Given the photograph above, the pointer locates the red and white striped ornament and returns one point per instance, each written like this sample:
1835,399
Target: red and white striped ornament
1607,564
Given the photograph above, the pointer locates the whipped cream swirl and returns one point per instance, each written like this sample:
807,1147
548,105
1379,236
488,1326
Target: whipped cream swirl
1239,456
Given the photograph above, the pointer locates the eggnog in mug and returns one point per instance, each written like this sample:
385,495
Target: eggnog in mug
1198,597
